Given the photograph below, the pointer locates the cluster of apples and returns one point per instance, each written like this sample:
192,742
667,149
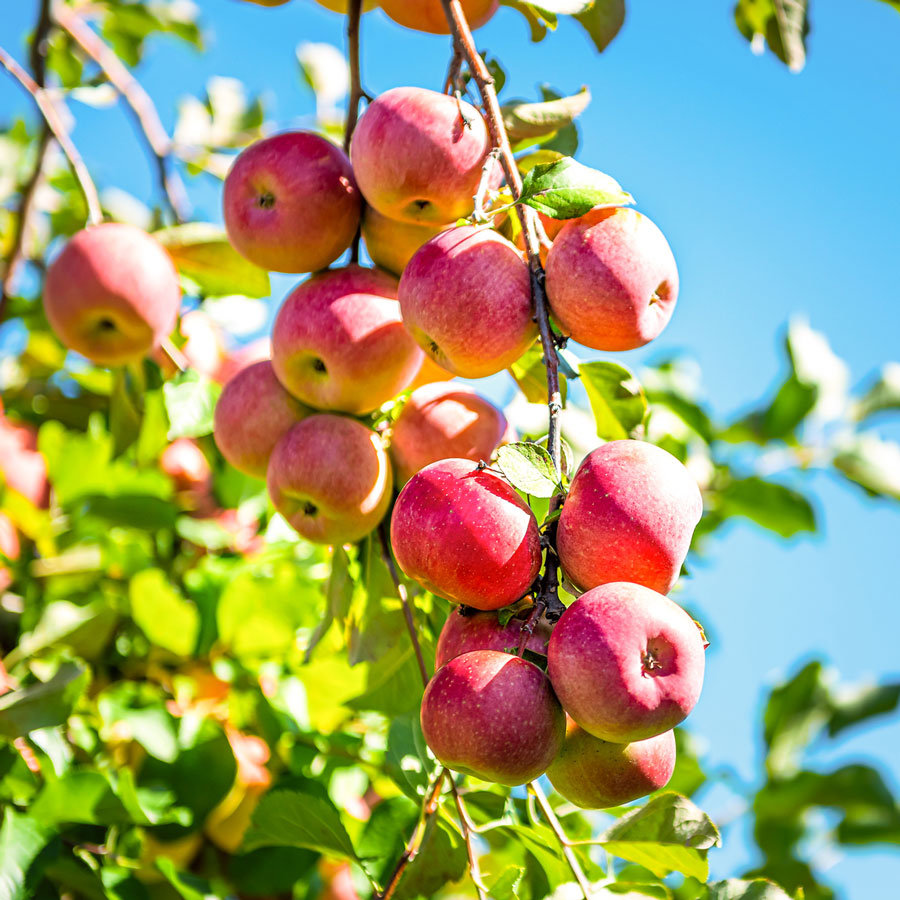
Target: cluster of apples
624,663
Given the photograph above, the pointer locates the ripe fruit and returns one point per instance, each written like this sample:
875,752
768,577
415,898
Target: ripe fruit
626,662
202,348
444,421
183,461
256,351
339,343
429,373
611,279
629,516
10,548
329,476
483,631
112,294
22,468
596,774
428,15
466,535
466,298
253,412
290,202
392,244
416,159
493,715
267,2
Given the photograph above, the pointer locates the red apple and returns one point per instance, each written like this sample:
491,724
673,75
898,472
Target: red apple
418,155
112,294
463,633
256,351
597,774
442,421
392,244
629,516
465,534
183,461
612,281
626,662
330,477
429,16
202,349
466,298
22,468
494,716
290,202
253,412
9,548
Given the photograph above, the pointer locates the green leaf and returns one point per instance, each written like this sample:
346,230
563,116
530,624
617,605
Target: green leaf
25,848
190,404
629,890
857,705
188,885
536,23
168,620
783,24
882,396
773,506
288,818
525,120
669,834
736,889
529,468
566,189
871,463
617,399
506,883
83,797
530,375
603,21
45,704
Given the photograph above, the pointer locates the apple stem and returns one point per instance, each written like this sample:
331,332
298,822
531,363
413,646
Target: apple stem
139,102
466,827
174,355
46,104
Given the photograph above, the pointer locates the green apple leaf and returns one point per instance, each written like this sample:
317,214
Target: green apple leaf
190,404
45,704
525,120
882,396
603,21
858,704
566,189
617,399
782,24
536,23
25,848
168,620
529,468
773,506
872,463
736,889
530,375
561,7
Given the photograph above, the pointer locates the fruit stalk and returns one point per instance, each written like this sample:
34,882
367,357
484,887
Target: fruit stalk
466,827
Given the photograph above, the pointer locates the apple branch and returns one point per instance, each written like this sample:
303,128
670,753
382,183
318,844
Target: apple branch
354,15
467,827
48,110
139,102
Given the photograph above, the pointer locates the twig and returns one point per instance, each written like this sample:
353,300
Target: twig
483,185
450,84
354,14
466,826
174,355
557,829
48,110
139,102
402,593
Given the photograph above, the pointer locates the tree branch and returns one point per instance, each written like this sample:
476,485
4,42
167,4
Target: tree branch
354,14
48,110
466,826
139,102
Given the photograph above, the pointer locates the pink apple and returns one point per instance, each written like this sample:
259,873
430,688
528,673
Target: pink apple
259,350
392,244
465,534
418,155
494,716
626,662
339,343
183,461
112,294
429,16
203,347
466,299
612,281
253,412
290,202
464,632
330,477
430,373
22,468
597,774
10,549
629,516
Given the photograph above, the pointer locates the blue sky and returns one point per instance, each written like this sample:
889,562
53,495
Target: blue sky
779,194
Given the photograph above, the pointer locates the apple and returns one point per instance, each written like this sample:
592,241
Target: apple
252,413
339,342
443,421
597,774
330,477
203,348
629,516
22,468
612,281
493,715
466,299
464,632
392,244
268,2
429,373
466,535
10,548
626,662
256,351
428,15
418,155
112,294
290,202
183,461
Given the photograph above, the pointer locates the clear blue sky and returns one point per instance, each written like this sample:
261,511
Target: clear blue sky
779,194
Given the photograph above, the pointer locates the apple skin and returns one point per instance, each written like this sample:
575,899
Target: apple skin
444,421
256,351
626,663
430,373
466,535
22,468
203,348
392,244
466,299
112,294
11,549
339,343
183,461
428,15
596,774
612,281
252,414
629,516
483,631
291,203
493,715
415,159
330,477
